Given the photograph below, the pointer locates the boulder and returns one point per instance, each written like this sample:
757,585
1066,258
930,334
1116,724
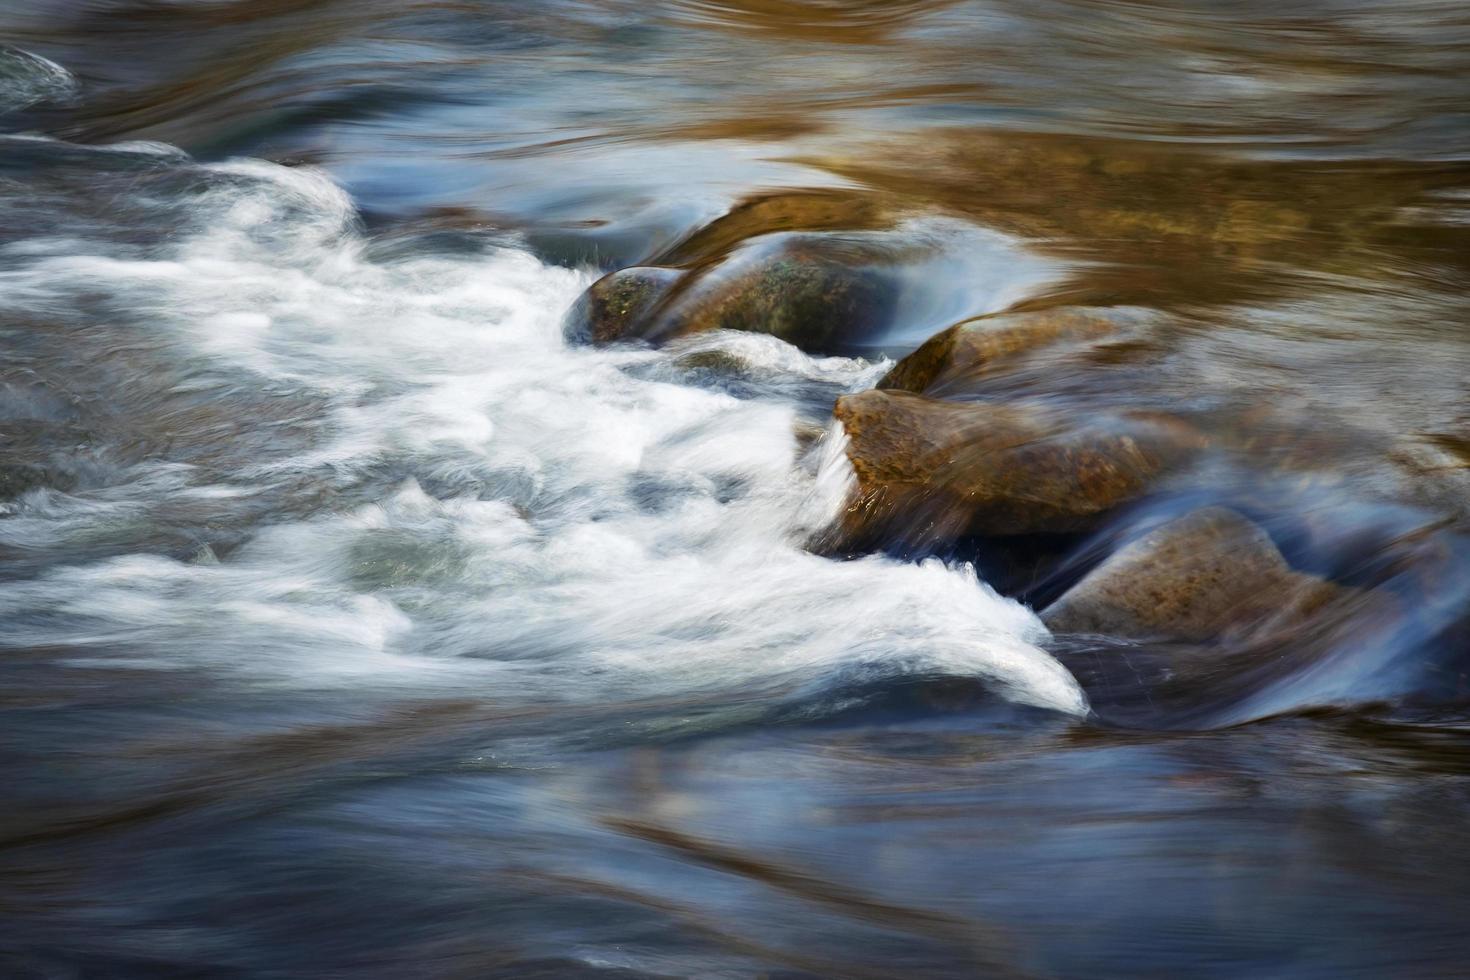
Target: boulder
974,348
937,470
815,293
618,305
1210,574
812,294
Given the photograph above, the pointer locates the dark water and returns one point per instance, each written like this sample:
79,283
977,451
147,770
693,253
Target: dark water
352,624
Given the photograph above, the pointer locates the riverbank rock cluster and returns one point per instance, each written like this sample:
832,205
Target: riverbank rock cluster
961,443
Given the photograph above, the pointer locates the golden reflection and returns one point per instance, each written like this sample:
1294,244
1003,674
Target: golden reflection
1172,227
823,21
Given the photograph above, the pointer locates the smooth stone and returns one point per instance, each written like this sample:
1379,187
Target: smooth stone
821,295
1210,574
937,470
976,347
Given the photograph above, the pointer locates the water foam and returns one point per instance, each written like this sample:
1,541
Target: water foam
564,523
27,78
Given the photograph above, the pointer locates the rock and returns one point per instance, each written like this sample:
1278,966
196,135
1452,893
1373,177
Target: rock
820,293
618,304
17,478
37,452
940,469
799,211
975,347
714,361
1209,574
810,293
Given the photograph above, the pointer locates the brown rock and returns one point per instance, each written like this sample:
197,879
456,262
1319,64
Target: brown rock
975,347
816,294
822,295
617,305
1209,574
940,469
801,211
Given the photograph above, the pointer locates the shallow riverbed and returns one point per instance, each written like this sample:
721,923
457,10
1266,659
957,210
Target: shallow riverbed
353,622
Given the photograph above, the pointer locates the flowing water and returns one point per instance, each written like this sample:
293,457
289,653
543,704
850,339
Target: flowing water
352,623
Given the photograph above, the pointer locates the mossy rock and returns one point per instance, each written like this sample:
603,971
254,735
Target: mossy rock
822,295
813,301
1209,575
930,470
618,305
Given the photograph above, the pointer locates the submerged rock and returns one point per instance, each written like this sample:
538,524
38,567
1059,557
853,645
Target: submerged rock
35,450
974,347
1206,575
618,304
18,478
936,470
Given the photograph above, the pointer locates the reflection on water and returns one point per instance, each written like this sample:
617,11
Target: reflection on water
353,623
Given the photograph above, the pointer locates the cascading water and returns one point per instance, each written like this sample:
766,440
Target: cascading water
355,621
545,522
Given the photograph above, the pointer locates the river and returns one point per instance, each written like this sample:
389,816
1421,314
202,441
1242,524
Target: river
355,623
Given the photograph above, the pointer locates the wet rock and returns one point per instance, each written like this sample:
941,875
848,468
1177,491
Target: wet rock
38,452
618,304
930,470
817,296
17,478
1433,471
822,295
975,347
777,212
714,361
1209,574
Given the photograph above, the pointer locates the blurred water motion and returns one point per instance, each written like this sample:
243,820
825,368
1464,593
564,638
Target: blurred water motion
354,624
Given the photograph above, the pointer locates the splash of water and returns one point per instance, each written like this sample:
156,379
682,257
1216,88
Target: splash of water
553,523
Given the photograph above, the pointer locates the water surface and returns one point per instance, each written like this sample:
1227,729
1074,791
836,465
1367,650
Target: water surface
353,624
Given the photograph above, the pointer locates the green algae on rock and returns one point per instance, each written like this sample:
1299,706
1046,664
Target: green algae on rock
616,305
